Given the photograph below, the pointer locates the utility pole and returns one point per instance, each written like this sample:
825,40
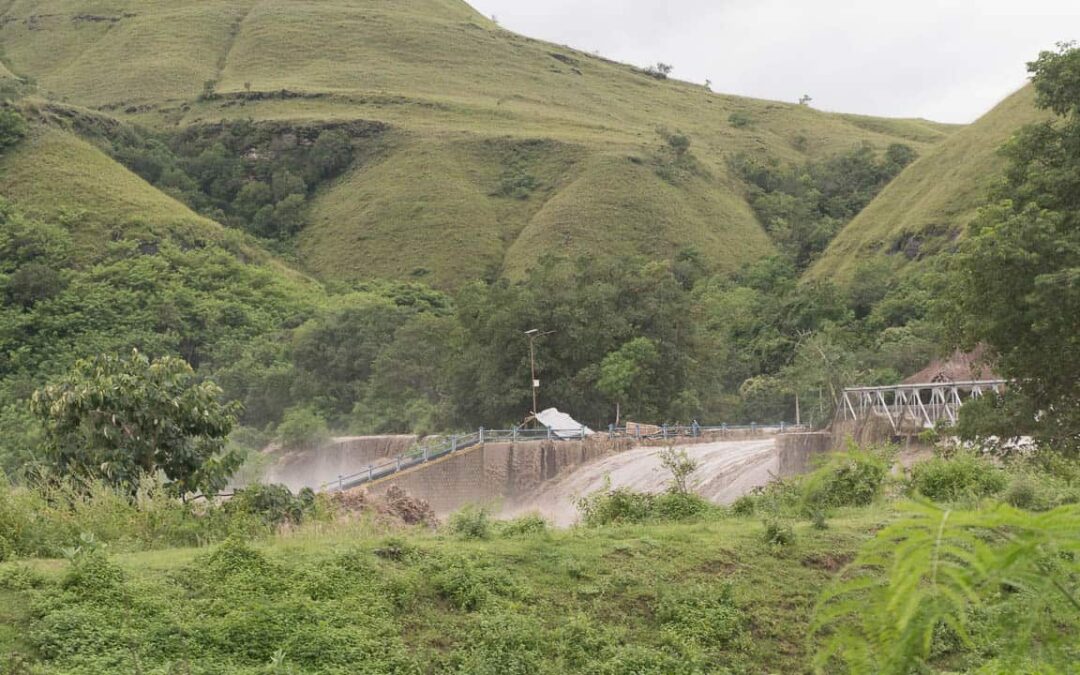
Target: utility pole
532,335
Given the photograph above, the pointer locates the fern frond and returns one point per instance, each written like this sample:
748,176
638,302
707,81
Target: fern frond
933,566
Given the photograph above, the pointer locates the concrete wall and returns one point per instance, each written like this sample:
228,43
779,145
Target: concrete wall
796,453
494,471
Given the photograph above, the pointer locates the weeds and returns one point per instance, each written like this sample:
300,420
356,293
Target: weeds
471,522
963,476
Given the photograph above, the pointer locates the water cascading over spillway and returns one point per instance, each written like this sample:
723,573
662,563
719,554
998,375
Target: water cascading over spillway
726,471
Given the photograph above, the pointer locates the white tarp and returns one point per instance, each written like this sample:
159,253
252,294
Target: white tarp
562,425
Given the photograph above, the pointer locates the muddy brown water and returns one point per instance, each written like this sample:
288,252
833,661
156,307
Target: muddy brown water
726,471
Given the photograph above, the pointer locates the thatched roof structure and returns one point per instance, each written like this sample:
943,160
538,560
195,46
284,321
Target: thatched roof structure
959,367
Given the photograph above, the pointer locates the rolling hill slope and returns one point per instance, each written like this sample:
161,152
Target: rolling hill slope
99,196
499,147
932,201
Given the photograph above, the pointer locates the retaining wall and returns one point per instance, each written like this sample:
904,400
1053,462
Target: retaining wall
493,471
796,453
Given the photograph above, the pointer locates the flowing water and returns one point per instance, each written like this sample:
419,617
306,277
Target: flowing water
342,457
726,471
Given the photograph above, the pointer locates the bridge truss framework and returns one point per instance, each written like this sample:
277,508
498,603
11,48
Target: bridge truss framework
921,405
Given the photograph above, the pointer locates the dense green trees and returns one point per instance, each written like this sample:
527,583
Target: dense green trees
254,177
116,420
626,375
803,207
1018,273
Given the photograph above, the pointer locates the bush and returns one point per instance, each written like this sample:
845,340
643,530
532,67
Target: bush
1023,493
964,476
746,505
273,504
778,534
659,70
1039,491
12,128
524,526
675,506
777,497
739,120
471,522
681,467
303,427
610,507
623,506
852,478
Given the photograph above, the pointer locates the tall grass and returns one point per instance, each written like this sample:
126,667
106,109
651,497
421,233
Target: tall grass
43,518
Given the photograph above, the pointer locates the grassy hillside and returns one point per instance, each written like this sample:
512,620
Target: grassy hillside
932,201
502,147
700,598
57,176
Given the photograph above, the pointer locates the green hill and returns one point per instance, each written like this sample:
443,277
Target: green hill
497,148
98,195
931,202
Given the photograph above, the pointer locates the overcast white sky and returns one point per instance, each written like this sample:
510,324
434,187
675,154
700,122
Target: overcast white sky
946,60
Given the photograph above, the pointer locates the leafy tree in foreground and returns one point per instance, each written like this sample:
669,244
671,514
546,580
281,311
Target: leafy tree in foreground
116,419
1019,271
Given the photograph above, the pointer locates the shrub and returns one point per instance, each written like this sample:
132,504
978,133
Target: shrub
780,496
965,475
680,465
778,534
739,120
524,526
659,70
471,522
19,578
676,141
12,127
1023,493
621,505
303,427
273,504
852,478
675,506
115,419
746,505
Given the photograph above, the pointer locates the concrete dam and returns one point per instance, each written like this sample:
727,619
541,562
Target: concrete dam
547,477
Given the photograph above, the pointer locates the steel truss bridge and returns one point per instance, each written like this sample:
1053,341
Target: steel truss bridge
914,405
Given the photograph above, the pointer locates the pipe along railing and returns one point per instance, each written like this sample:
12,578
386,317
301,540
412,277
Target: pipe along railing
446,445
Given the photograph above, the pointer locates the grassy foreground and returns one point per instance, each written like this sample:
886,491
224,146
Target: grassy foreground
702,597
960,565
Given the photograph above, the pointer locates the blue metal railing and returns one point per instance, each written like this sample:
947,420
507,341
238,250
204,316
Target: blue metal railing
442,446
